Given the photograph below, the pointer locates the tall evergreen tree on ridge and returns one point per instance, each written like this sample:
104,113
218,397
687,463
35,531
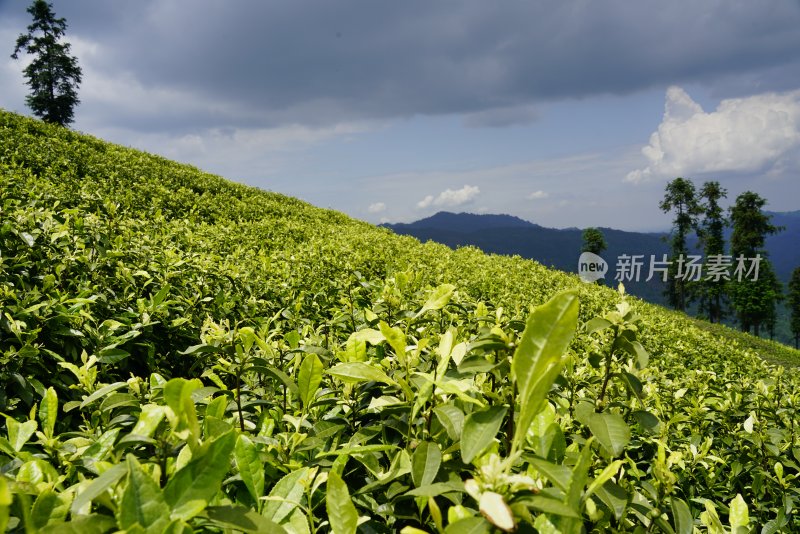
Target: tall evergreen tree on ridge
794,305
680,197
753,300
711,292
53,75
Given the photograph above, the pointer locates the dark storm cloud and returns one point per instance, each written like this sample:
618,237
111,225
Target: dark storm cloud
267,63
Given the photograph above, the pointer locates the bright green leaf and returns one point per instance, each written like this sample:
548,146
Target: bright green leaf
354,372
19,433
438,299
250,466
48,412
539,356
739,516
342,513
285,495
396,339
309,378
202,477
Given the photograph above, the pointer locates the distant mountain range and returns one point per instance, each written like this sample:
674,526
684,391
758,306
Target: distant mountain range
560,248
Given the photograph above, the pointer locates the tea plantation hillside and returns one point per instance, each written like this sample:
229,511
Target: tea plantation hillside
179,353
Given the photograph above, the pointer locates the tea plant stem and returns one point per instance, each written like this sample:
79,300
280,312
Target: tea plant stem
510,424
239,398
607,378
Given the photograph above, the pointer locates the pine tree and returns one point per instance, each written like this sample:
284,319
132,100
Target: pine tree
711,292
794,305
53,75
681,197
593,241
753,301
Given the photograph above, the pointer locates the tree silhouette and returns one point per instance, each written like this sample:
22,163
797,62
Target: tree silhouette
53,75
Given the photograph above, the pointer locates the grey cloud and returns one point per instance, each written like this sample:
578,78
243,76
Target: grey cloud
262,64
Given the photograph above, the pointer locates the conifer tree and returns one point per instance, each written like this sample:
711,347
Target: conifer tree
54,75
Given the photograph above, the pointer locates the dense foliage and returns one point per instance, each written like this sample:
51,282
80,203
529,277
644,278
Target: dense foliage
710,292
753,302
680,197
593,241
181,353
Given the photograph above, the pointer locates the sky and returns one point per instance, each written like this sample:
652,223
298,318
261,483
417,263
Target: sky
564,113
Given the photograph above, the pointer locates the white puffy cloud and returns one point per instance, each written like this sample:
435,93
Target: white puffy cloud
750,134
538,195
377,207
451,197
425,202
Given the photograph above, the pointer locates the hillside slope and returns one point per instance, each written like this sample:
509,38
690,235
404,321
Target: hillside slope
558,248
176,347
553,247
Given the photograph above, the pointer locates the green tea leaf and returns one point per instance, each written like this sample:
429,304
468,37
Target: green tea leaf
611,431
452,419
479,431
242,519
358,449
558,475
178,396
48,412
202,477
739,516
396,339
681,516
285,496
142,502
102,392
539,356
100,484
19,433
356,348
425,463
354,372
149,418
342,512
309,378
552,506
85,524
615,497
710,519
436,489
6,498
438,299
250,466
49,507
608,472
469,525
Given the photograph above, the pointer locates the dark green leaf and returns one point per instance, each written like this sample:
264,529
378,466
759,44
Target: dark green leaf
425,463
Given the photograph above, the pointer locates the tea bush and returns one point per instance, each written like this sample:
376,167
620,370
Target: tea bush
181,353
